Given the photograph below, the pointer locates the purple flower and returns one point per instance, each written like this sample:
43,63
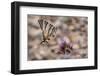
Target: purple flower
65,46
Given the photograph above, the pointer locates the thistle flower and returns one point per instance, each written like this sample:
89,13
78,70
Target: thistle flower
65,46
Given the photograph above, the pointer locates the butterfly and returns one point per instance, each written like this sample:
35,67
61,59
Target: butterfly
48,31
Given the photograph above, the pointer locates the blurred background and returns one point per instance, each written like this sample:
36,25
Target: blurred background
70,41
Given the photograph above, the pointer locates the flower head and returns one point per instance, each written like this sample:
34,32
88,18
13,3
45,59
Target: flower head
65,46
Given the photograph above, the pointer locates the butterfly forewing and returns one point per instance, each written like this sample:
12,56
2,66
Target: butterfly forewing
41,24
45,23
